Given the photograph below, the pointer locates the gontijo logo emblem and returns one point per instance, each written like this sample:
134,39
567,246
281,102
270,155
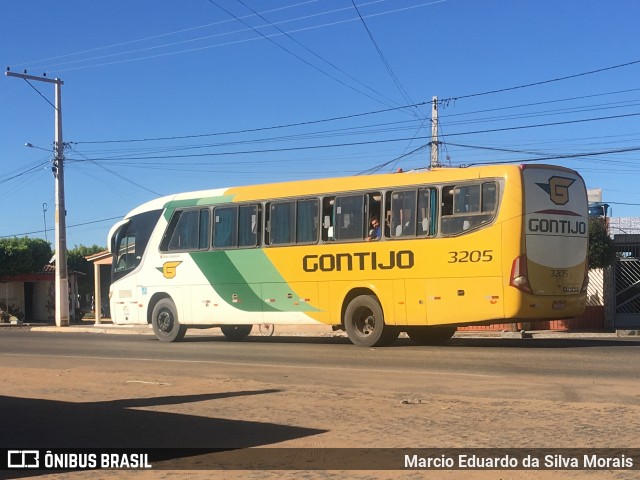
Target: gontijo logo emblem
558,189
169,269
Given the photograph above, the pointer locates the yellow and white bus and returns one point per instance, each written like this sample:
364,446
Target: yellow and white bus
454,247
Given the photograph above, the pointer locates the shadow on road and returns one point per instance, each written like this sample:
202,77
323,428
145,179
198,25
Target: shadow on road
29,423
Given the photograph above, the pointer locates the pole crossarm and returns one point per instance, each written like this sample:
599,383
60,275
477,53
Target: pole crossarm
24,76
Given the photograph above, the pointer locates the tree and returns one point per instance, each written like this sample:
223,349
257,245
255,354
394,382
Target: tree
602,252
23,255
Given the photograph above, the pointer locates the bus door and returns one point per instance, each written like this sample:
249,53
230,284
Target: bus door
129,240
125,295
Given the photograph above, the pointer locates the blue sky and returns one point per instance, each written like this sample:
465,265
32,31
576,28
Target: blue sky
192,73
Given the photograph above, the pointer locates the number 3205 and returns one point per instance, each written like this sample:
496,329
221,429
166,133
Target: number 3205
473,256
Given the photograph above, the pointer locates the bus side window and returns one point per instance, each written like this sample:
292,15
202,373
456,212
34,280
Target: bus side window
248,226
184,233
203,236
282,221
426,216
349,217
225,227
307,218
327,219
403,213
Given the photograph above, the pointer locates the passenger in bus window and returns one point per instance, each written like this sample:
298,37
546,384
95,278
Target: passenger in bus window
374,233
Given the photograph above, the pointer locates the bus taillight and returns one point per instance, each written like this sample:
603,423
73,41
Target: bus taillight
519,278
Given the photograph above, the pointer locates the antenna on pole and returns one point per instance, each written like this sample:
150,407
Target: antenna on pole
62,281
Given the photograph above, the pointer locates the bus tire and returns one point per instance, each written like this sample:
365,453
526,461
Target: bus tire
164,320
431,335
364,323
236,333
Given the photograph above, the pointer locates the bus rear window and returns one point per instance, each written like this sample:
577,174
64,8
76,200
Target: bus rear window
468,207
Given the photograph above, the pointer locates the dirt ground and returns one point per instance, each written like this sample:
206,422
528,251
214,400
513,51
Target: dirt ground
97,400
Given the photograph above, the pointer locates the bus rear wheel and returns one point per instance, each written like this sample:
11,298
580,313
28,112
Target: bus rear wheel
364,323
236,332
165,322
431,335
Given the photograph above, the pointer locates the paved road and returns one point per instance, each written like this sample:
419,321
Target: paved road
95,390
545,368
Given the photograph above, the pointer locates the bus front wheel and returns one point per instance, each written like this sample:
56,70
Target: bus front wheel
165,322
236,332
431,335
364,323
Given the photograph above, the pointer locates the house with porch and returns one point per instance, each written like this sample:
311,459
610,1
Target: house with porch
30,297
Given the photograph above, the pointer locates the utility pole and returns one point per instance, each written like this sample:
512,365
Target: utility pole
435,162
62,280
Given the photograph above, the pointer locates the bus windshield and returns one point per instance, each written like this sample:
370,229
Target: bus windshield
130,242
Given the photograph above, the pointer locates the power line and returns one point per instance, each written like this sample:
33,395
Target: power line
534,104
393,76
543,82
549,113
315,67
496,149
68,226
551,124
191,50
153,37
268,150
332,119
24,172
316,54
370,142
331,133
560,157
252,130
122,177
396,159
624,203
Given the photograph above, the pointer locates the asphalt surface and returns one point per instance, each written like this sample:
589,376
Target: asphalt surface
107,327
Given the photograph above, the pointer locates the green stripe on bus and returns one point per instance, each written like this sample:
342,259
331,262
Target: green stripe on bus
238,277
170,207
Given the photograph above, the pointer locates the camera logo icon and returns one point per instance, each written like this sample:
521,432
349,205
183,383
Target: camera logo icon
23,459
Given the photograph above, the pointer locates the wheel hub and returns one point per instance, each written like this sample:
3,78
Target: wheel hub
366,324
165,322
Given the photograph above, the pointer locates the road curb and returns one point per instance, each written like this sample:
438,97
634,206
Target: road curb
302,330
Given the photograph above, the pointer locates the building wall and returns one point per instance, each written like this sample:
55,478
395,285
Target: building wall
12,293
624,225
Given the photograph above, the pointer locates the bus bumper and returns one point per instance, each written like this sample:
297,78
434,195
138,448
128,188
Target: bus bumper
551,307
